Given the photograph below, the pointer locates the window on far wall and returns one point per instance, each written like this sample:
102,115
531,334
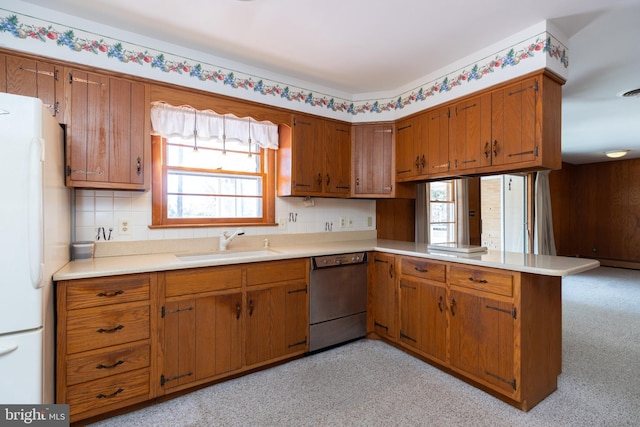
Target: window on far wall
442,212
212,181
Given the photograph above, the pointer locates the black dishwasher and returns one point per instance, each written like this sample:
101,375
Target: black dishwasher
337,299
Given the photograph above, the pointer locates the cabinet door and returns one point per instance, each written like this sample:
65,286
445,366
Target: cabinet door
308,156
179,318
127,108
33,78
438,141
87,128
107,132
384,296
407,160
202,338
465,142
519,144
423,320
337,159
277,322
482,339
373,160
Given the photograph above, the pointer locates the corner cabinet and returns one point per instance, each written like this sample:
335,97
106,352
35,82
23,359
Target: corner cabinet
314,158
500,330
373,160
108,132
382,317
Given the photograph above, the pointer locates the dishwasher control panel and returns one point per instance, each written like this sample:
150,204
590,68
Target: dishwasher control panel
338,260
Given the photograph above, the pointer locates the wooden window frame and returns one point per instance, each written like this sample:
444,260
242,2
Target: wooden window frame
159,217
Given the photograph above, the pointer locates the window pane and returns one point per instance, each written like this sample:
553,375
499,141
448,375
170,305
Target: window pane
206,158
442,233
213,207
218,184
442,212
441,191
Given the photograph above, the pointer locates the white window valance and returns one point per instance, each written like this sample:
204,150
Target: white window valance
187,122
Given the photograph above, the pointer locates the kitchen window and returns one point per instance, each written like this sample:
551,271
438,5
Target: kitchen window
442,212
210,169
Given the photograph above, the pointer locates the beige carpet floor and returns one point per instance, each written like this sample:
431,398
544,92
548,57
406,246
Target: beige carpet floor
369,383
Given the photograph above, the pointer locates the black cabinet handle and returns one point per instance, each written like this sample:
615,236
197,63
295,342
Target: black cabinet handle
111,330
118,363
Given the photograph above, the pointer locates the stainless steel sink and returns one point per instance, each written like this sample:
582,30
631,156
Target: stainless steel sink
221,256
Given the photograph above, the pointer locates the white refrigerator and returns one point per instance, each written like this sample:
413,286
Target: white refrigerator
34,244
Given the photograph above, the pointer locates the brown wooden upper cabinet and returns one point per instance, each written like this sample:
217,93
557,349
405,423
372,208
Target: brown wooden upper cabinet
108,132
411,148
314,160
514,126
33,78
372,160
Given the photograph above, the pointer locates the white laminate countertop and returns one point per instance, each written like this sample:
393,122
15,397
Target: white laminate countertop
116,265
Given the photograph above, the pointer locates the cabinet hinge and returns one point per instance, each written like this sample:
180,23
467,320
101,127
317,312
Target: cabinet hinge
164,380
165,312
56,74
512,312
512,382
403,335
295,344
380,325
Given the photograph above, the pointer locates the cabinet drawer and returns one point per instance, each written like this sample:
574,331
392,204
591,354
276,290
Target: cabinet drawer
84,293
423,268
277,271
197,280
94,328
484,280
111,390
107,362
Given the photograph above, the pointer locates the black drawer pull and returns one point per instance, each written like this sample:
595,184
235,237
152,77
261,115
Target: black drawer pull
110,293
474,280
118,363
110,331
421,270
108,396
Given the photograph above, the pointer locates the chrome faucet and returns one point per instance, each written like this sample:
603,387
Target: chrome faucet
225,239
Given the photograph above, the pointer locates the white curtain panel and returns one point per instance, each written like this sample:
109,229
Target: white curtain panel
543,241
184,121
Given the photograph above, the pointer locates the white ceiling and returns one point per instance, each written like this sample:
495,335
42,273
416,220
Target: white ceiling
363,46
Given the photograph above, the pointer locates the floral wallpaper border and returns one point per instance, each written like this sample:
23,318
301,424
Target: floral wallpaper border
81,42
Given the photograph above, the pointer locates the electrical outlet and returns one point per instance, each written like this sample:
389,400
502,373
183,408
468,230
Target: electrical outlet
369,221
124,226
350,222
282,223
342,222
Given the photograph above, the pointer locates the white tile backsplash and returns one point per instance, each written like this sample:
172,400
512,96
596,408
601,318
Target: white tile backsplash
95,209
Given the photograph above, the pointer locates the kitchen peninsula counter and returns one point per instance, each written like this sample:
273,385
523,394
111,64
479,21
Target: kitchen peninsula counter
150,262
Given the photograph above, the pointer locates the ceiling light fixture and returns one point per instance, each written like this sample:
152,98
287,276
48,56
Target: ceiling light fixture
616,154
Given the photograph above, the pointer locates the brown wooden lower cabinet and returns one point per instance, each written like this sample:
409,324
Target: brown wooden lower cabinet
501,330
104,343
127,339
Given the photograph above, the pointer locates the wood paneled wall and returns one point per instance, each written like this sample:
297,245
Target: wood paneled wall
596,211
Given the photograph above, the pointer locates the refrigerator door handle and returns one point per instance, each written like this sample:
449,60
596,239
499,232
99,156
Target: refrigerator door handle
6,349
36,217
